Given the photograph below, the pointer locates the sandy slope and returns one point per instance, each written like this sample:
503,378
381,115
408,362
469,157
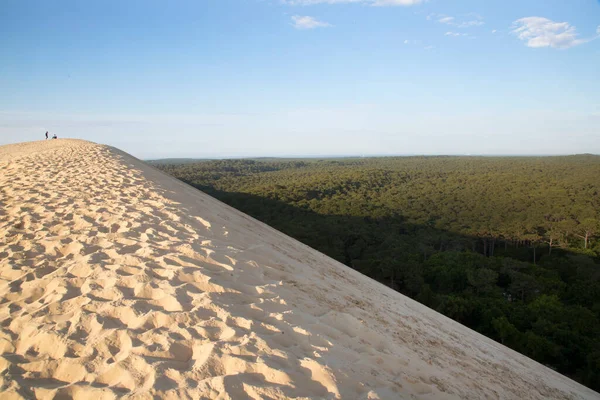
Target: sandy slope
119,281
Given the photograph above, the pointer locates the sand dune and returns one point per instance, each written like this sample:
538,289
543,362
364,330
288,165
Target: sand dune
117,281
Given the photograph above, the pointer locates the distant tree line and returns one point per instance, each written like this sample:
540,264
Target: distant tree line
505,245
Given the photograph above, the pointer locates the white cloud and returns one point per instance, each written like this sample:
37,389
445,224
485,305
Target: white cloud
377,3
468,24
312,2
306,22
494,31
542,32
475,20
406,41
395,2
455,34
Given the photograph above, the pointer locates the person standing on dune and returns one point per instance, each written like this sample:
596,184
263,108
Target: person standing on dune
46,135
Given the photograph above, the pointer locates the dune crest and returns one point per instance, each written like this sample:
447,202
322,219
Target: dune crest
117,280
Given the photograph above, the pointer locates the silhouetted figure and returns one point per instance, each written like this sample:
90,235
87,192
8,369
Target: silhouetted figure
55,137
46,135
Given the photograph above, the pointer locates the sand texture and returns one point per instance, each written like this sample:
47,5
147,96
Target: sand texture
117,281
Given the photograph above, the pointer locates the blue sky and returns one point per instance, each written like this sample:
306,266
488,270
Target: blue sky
234,78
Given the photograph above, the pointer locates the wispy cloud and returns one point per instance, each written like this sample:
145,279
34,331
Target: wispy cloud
382,3
376,3
468,24
306,22
543,32
455,34
469,21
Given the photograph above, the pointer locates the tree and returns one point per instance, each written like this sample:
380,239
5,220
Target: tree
539,348
482,279
566,228
533,239
504,329
522,285
547,307
551,234
586,229
456,307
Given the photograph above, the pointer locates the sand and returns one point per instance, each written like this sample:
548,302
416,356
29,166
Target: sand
117,281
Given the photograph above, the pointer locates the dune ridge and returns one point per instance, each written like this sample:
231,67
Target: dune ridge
118,281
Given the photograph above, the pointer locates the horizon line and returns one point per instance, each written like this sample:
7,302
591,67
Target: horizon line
369,156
